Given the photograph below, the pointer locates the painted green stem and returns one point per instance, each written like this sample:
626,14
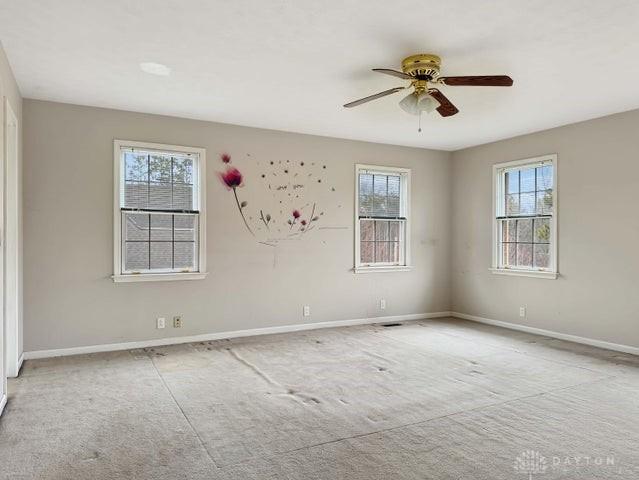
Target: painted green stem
239,207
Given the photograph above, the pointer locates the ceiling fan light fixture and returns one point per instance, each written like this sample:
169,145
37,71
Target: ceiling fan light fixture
409,104
415,103
426,103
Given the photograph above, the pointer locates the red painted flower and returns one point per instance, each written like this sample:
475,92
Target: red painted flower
303,222
225,157
296,214
232,178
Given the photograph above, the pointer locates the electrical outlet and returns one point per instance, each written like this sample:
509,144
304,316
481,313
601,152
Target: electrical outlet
161,322
382,304
307,311
522,312
177,321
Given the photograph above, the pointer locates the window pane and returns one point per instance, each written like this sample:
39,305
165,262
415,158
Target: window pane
183,170
394,252
544,202
542,230
524,230
367,252
365,194
524,255
381,230
182,197
185,255
509,252
160,168
136,167
136,256
394,230
136,194
382,252
512,204
527,204
512,182
136,226
162,227
394,183
509,230
367,230
158,181
527,179
542,256
380,195
186,228
161,255
160,196
544,178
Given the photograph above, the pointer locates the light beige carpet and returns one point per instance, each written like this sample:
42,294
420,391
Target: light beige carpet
435,399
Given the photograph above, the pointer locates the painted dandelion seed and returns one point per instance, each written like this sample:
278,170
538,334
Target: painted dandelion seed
288,194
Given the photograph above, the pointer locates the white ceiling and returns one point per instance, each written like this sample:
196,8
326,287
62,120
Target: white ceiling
290,65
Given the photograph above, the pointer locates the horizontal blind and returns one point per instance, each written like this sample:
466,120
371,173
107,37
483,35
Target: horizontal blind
158,181
380,196
527,192
160,241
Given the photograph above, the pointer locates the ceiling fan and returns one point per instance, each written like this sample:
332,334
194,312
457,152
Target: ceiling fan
422,71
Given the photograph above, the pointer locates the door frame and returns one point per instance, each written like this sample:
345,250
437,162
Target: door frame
12,251
3,371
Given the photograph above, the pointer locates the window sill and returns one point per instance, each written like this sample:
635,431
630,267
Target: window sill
158,277
385,268
525,273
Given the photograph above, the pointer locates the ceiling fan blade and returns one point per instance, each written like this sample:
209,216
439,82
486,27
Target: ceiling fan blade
446,108
373,97
394,73
478,81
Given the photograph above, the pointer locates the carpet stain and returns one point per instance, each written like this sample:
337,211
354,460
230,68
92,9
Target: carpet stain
93,456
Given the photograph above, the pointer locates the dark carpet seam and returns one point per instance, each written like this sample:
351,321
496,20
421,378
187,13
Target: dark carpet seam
399,427
184,415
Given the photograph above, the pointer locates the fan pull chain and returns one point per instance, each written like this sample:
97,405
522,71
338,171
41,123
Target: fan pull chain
419,122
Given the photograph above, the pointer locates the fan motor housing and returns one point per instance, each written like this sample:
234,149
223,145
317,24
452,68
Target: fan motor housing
423,66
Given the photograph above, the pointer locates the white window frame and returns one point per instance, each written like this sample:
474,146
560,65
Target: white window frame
199,180
405,258
499,171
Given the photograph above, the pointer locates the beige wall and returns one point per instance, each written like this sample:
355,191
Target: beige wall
598,187
9,89
71,301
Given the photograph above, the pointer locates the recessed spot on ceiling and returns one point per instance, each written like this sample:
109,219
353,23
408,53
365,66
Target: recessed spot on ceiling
155,69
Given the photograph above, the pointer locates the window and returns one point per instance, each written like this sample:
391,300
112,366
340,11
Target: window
382,219
525,225
159,215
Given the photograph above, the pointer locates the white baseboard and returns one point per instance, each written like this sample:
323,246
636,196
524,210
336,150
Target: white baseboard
156,342
3,402
549,333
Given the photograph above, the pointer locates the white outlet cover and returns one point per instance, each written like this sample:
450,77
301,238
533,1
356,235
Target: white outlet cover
307,310
382,304
161,322
522,311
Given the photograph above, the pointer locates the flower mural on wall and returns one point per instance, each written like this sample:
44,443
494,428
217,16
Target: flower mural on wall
233,179
283,186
